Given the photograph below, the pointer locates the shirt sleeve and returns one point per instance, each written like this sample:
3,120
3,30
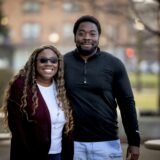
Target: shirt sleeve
16,117
126,103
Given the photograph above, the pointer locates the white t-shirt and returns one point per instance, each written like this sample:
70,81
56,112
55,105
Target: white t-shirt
57,117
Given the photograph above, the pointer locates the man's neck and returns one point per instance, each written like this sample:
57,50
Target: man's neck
86,57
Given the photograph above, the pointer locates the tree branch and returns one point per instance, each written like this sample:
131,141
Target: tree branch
147,27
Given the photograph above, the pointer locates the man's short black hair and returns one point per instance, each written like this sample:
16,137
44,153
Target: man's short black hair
86,18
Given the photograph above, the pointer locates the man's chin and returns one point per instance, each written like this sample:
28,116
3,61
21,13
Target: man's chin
86,51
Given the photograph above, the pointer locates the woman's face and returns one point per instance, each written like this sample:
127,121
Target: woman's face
46,66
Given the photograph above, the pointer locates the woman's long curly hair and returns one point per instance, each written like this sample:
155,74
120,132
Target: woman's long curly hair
29,72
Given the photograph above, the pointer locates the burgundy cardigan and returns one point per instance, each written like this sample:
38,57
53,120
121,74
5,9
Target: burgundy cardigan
31,138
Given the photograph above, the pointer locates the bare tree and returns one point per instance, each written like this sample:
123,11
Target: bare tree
145,11
145,8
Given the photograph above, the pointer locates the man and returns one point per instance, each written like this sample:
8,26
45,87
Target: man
96,82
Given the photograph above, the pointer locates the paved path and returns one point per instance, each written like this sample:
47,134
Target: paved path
146,154
4,149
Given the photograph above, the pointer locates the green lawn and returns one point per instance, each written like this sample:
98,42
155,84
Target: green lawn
147,97
147,80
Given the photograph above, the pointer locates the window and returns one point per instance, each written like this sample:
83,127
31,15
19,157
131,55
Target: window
68,30
71,7
53,4
110,31
31,6
31,31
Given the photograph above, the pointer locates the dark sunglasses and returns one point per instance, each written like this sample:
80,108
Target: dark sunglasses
45,60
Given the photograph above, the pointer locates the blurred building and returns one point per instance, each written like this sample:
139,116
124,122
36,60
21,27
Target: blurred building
36,22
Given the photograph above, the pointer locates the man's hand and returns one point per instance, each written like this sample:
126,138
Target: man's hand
132,153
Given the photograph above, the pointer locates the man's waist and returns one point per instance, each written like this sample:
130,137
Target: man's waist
94,139
95,136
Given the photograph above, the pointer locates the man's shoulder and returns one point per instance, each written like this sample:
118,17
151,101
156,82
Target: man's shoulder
69,56
110,58
107,55
70,53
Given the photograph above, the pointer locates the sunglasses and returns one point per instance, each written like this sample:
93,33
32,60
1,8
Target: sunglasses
45,60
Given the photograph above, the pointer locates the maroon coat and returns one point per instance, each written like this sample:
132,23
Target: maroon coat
31,139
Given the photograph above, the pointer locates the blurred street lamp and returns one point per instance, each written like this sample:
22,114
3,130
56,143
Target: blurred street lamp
138,25
54,37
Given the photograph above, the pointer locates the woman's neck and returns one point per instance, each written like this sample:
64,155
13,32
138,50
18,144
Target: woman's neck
44,83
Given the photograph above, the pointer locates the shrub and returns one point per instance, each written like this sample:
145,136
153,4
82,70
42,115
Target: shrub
5,76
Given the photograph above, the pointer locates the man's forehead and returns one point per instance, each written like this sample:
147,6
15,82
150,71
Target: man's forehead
87,26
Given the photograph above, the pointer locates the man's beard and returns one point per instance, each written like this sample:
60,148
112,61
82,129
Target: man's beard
86,52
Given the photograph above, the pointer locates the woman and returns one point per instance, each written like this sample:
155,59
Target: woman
37,108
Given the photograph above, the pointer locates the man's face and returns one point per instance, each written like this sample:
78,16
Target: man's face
87,38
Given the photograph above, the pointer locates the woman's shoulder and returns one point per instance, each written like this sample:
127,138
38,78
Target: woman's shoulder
19,81
16,88
17,84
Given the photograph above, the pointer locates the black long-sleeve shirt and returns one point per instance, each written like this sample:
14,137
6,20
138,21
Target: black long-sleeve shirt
95,88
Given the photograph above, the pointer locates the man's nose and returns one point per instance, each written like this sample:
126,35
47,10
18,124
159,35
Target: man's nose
87,36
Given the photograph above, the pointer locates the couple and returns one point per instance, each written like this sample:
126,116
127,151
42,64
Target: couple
43,121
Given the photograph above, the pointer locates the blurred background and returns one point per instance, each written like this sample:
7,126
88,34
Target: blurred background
130,31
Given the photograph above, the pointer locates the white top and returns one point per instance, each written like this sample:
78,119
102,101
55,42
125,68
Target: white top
57,117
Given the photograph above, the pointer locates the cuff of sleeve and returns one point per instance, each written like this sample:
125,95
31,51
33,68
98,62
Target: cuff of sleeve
134,140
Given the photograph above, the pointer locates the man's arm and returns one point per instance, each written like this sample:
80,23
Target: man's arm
126,103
